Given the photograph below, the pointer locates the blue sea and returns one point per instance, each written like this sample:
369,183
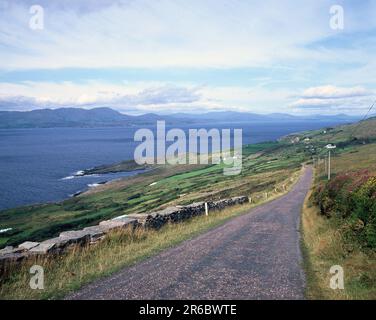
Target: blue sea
37,165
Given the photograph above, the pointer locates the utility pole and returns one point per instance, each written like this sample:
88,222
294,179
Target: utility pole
329,147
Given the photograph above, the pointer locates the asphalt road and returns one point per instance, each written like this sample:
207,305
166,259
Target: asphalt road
253,256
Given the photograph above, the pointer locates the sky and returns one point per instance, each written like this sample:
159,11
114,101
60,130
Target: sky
163,56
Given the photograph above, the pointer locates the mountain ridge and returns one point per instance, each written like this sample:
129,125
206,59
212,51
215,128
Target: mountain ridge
107,117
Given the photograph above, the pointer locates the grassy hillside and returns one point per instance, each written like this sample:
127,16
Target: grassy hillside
344,136
264,166
339,216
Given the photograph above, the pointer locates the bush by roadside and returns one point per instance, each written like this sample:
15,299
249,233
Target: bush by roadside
351,197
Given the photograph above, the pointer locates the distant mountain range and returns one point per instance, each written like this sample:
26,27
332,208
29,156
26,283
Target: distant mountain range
233,116
106,117
72,117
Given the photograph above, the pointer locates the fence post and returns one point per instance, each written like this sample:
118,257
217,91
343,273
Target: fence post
206,209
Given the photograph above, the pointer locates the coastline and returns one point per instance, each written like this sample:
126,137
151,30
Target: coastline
106,180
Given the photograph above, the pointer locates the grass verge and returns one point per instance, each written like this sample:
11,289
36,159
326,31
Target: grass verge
324,246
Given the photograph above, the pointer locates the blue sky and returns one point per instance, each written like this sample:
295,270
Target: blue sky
164,56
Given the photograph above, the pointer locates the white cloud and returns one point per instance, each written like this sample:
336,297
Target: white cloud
148,33
139,97
333,92
198,34
252,99
331,98
157,97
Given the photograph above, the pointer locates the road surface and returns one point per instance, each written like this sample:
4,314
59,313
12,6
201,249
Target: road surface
253,256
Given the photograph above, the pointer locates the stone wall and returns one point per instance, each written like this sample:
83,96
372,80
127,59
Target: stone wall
91,235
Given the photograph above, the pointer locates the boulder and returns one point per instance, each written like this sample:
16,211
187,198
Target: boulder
76,237
6,250
28,245
10,250
12,257
110,225
43,248
96,233
58,244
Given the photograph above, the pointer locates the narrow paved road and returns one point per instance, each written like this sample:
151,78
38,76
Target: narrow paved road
253,256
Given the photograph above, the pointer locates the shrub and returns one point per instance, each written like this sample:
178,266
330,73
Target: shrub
351,196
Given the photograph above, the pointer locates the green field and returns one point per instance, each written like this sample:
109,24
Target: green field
158,188
265,165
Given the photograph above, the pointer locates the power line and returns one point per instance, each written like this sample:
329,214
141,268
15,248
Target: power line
364,118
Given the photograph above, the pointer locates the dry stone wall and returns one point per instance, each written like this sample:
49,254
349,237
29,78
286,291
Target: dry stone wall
90,235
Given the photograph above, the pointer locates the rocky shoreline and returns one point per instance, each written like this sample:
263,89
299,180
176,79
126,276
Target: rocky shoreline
124,166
